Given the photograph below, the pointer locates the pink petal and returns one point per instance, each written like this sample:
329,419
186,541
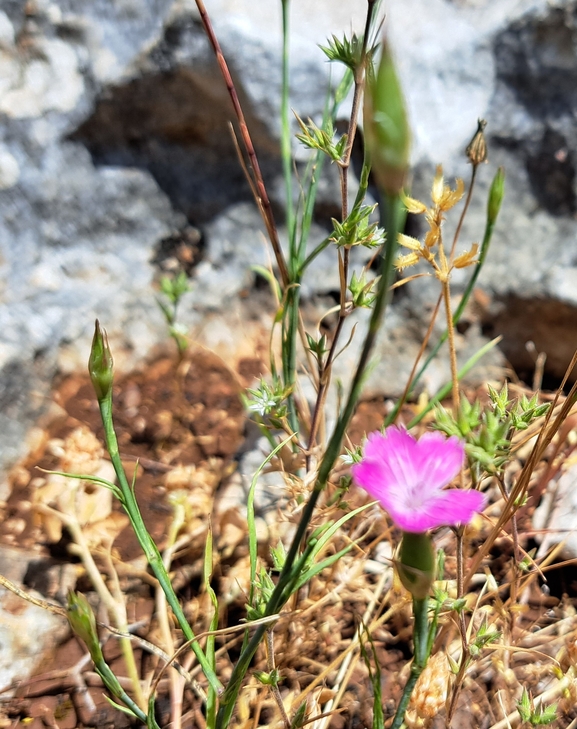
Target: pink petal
447,508
369,475
438,460
387,471
396,452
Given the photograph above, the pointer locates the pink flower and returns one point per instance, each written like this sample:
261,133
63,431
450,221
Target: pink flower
407,476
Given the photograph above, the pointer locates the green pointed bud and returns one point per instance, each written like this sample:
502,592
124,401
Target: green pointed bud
496,196
83,623
386,128
100,364
416,564
268,678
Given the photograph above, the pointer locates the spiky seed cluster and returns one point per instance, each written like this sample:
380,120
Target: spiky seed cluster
430,693
431,249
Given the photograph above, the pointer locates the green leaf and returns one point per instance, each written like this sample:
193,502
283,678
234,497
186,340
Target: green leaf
119,707
299,717
346,51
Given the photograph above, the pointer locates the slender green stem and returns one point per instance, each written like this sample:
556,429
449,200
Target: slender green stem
406,697
452,351
210,650
285,141
344,164
145,540
291,328
113,685
325,377
289,349
313,254
465,655
288,576
115,606
164,623
421,656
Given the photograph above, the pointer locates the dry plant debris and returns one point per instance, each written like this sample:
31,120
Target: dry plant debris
529,615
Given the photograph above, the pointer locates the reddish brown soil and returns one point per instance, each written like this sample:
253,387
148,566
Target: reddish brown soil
166,415
191,413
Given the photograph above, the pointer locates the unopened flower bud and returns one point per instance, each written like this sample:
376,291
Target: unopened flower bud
496,196
100,363
416,564
83,623
477,149
386,128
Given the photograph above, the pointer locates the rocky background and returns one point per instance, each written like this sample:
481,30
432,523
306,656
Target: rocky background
115,160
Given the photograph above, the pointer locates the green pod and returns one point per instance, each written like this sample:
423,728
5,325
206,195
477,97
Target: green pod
496,196
100,364
386,127
416,563
83,623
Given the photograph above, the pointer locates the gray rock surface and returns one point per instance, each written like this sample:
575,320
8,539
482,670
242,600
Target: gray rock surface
28,633
556,517
113,139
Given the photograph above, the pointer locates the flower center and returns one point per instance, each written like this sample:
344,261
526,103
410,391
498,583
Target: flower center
415,496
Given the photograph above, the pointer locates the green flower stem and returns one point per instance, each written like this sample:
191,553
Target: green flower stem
289,349
421,656
146,542
289,573
285,140
113,685
446,286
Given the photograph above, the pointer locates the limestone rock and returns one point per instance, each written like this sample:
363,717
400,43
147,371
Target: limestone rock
28,633
114,139
557,516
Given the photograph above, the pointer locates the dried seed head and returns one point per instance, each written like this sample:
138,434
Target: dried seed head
477,149
406,261
468,258
416,207
438,186
430,692
451,197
